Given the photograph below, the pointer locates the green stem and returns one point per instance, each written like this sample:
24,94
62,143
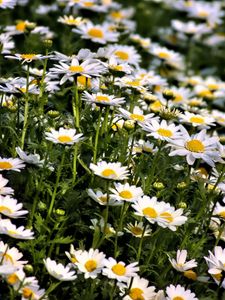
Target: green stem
75,163
75,105
141,242
56,184
26,110
113,291
97,137
220,233
52,287
119,228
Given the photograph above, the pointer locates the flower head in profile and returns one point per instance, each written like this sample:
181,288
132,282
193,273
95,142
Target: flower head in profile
178,292
10,208
102,99
125,192
59,271
180,263
113,171
3,189
6,227
63,136
14,164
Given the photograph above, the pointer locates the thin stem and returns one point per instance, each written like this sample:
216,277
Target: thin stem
75,163
56,184
52,287
97,137
118,229
26,110
219,234
75,105
141,242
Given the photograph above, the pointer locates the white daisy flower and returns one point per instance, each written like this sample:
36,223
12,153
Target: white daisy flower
197,146
10,208
113,171
6,227
63,136
197,120
58,271
138,289
178,292
216,264
27,57
171,218
101,198
32,292
123,54
191,28
97,33
87,68
108,230
71,21
137,115
19,28
5,190
137,229
119,270
7,4
33,159
14,164
102,99
162,131
72,255
7,270
90,262
125,192
10,256
6,42
116,66
180,263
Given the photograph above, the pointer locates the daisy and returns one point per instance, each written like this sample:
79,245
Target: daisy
102,99
115,66
138,289
97,33
197,120
6,227
191,28
7,4
88,68
72,255
150,208
101,198
123,54
14,164
5,190
137,229
171,218
90,263
7,270
33,159
113,171
162,131
27,57
131,82
10,256
180,263
137,115
108,230
126,192
10,208
58,271
71,21
32,292
178,292
63,136
119,270
19,28
197,146
6,43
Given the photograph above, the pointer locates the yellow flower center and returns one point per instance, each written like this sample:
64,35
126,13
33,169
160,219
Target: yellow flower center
222,214
116,15
136,230
64,139
76,69
164,55
12,279
23,90
27,293
27,56
5,165
84,81
213,86
21,26
165,132
136,294
150,212
88,4
167,216
90,265
109,173
117,68
137,117
205,93
178,98
190,274
217,276
178,298
198,120
119,269
7,257
203,14
122,55
5,209
126,194
195,146
96,33
102,98
155,106
134,83
73,259
103,199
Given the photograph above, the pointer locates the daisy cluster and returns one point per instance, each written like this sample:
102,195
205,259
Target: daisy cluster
112,139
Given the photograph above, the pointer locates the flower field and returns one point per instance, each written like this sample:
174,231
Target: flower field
112,157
